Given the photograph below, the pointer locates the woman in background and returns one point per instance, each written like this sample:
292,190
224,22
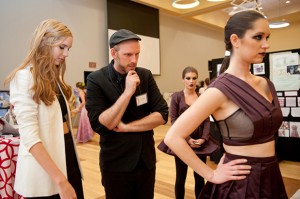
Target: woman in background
180,102
47,165
205,85
84,131
199,85
247,111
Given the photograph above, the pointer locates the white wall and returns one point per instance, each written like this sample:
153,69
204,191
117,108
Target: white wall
85,18
285,38
185,44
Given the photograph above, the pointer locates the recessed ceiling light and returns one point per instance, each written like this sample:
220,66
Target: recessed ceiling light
185,4
279,24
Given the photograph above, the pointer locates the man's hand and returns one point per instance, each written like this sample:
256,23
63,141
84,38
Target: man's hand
121,127
132,81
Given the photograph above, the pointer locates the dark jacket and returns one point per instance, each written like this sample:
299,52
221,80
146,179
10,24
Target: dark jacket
178,106
120,152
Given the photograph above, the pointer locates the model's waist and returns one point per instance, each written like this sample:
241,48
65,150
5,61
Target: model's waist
256,150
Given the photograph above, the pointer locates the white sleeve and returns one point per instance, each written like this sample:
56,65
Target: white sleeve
26,109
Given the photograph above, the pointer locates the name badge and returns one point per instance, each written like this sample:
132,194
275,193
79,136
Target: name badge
141,99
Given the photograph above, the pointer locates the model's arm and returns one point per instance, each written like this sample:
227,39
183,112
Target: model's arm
206,129
203,132
174,110
210,101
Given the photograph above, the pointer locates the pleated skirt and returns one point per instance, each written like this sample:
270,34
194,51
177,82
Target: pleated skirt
263,182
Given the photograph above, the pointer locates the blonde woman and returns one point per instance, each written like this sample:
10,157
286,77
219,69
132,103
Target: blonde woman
47,165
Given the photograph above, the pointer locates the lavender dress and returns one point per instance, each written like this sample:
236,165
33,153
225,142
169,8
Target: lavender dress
84,131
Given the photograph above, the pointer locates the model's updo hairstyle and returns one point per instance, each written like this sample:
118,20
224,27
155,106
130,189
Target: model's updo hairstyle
189,69
238,24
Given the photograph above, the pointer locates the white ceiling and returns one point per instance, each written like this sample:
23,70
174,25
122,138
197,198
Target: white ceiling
215,14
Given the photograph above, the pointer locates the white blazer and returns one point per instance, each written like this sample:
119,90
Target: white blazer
37,123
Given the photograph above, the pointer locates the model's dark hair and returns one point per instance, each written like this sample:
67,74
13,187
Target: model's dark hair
238,24
189,69
206,80
201,83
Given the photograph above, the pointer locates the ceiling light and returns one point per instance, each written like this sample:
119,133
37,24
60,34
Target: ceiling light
185,4
279,24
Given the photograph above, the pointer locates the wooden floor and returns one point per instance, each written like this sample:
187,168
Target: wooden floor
165,175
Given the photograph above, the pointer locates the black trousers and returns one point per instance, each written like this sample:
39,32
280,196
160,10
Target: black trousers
181,173
73,171
137,184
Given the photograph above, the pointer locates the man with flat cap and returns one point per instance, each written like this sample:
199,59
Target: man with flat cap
124,104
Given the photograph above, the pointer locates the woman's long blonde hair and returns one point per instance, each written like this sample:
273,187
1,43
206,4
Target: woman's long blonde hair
45,73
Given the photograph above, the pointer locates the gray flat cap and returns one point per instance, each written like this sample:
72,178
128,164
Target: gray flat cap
122,35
